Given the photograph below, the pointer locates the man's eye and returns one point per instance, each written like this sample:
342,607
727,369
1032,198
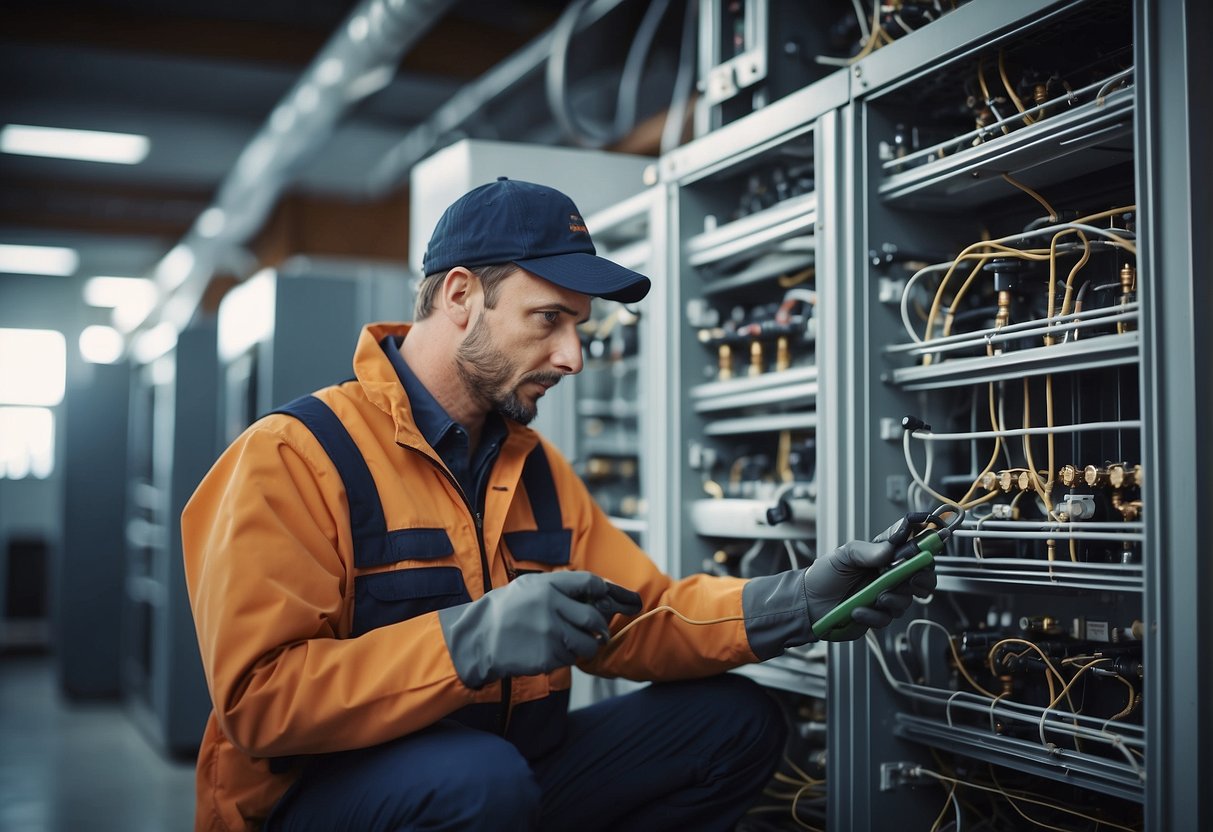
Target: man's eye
550,317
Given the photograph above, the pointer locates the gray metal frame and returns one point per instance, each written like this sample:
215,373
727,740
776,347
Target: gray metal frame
1174,180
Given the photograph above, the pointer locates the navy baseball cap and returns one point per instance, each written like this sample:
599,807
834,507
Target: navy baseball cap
535,227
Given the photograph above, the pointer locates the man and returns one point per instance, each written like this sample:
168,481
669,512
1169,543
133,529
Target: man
391,580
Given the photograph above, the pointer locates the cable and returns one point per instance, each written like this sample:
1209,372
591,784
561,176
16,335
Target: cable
931,436
919,770
633,67
665,608
1053,216
1006,83
684,80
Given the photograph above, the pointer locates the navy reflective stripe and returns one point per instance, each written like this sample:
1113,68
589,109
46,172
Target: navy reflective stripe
541,491
366,511
374,545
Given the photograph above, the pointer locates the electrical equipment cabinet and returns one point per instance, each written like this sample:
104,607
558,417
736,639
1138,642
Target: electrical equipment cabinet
966,270
747,204
998,311
292,329
171,444
614,438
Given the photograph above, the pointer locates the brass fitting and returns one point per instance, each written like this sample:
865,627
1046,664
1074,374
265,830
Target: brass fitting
1007,481
1004,310
1069,475
783,353
1129,509
756,358
1118,475
724,358
1128,285
989,481
1095,476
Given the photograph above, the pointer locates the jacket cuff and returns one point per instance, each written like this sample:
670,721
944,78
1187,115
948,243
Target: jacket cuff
776,613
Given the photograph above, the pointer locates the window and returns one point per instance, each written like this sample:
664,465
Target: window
27,442
33,374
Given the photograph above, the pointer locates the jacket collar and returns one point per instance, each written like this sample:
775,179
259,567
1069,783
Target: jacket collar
382,387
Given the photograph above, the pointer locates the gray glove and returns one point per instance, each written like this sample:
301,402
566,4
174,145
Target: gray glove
536,623
780,609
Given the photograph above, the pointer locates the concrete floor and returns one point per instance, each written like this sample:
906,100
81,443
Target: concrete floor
81,766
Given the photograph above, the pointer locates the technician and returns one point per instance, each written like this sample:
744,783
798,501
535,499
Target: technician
391,579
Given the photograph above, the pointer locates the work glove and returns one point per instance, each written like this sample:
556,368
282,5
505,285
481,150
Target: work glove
780,610
536,623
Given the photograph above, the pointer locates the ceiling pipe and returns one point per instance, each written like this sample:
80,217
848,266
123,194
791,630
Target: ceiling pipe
359,59
393,168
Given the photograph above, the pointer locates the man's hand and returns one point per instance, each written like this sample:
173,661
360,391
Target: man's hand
534,624
780,610
849,568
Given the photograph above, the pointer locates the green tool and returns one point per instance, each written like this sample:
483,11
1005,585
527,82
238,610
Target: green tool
915,555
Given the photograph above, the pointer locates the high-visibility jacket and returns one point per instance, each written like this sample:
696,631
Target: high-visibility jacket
308,649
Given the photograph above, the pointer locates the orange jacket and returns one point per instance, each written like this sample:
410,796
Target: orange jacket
272,578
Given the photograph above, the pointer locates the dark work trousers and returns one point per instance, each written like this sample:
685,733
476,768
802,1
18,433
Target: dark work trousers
674,756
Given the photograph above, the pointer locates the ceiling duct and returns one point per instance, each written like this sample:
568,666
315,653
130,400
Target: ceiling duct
358,60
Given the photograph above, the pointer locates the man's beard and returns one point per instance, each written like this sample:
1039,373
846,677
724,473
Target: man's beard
486,371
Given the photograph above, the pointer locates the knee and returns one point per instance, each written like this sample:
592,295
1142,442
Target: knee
489,778
753,717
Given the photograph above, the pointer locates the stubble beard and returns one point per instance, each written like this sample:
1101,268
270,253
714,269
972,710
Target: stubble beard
486,372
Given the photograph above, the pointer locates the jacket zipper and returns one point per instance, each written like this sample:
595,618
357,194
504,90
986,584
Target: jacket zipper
478,520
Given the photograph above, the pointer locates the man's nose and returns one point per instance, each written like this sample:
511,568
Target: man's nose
567,357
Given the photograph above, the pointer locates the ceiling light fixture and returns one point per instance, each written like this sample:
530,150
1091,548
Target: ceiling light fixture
101,344
56,261
86,145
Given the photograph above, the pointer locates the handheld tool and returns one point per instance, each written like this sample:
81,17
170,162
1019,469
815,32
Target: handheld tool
914,555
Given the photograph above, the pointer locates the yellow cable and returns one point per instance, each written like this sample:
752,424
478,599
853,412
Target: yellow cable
807,777
965,673
1025,799
1006,83
1082,261
947,804
796,817
664,608
1044,202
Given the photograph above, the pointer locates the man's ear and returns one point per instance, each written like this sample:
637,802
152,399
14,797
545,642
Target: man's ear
459,295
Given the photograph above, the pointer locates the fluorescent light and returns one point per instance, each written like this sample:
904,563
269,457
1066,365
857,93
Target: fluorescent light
33,367
114,291
101,344
52,260
87,145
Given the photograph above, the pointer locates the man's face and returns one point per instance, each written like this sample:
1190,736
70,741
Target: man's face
515,351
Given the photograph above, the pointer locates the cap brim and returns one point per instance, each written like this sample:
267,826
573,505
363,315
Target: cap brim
590,275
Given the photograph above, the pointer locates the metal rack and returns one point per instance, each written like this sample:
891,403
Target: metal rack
1094,146
747,206
901,185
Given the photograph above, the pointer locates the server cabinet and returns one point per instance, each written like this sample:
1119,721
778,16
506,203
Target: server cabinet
999,350
89,587
290,330
614,437
172,442
752,208
748,208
